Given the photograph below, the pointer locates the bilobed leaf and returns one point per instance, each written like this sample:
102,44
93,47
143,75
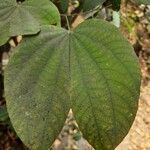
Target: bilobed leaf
25,18
146,2
90,4
95,74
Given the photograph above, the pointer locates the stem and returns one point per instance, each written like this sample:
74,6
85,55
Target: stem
68,23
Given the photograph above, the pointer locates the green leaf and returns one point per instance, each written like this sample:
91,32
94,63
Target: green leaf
92,70
25,18
3,114
64,5
146,2
88,4
116,4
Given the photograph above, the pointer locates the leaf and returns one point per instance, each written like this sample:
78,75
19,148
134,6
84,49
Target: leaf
64,5
25,18
95,74
88,4
116,4
3,114
146,2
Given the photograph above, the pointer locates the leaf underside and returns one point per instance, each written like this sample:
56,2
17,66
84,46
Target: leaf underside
95,74
25,18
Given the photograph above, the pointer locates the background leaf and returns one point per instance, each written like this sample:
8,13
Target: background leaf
64,5
95,74
116,4
146,2
25,18
88,4
3,114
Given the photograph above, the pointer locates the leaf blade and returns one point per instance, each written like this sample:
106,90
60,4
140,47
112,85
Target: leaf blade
83,70
33,111
25,18
107,85
87,5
